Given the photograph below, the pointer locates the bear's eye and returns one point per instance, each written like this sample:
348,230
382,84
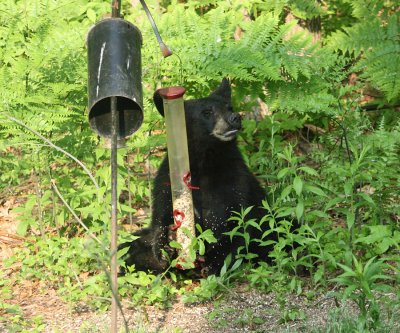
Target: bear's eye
207,113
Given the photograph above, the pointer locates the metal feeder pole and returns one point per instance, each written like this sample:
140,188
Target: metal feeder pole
116,7
114,234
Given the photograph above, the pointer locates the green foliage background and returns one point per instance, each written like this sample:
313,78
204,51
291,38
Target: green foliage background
326,144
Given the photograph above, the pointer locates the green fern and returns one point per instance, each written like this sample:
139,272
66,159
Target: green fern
43,67
268,60
369,8
382,68
374,40
359,37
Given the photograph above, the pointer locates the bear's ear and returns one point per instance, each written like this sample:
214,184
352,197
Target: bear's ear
224,90
158,101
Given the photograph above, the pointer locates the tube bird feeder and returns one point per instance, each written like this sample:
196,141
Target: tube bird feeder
115,70
179,171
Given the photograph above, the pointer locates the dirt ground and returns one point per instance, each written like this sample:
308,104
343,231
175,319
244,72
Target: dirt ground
239,310
242,310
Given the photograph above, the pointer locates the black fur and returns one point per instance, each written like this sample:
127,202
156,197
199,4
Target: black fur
225,183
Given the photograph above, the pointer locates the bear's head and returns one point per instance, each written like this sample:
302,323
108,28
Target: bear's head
211,118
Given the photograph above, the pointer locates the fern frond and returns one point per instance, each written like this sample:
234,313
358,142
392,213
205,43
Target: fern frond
259,33
382,68
366,8
374,40
306,9
358,37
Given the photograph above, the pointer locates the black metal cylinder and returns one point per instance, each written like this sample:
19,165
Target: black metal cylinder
115,70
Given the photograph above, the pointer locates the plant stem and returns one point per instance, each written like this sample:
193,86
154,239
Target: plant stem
92,235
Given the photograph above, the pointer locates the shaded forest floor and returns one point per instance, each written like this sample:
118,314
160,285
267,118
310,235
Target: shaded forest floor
240,310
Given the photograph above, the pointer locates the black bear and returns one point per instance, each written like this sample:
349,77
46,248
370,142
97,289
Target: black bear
224,183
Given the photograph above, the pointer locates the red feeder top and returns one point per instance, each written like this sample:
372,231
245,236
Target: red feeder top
171,92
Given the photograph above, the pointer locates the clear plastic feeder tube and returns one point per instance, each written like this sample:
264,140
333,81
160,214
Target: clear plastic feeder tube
179,169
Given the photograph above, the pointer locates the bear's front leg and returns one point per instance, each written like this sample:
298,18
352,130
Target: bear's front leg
216,253
145,252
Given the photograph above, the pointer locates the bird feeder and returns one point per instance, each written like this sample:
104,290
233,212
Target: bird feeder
115,99
115,103
179,171
115,70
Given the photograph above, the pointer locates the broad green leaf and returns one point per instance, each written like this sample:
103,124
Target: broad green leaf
318,213
237,264
385,244
299,209
298,185
367,198
127,209
91,14
208,236
333,202
173,276
22,228
286,192
350,219
175,245
319,274
285,212
282,173
202,248
376,234
315,190
123,251
348,188
247,211
246,237
309,170
254,224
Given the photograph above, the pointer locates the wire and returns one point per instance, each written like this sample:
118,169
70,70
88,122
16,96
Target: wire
165,50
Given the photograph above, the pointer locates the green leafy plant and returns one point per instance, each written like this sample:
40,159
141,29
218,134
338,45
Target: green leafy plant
213,285
197,247
342,321
362,282
298,186
241,231
373,41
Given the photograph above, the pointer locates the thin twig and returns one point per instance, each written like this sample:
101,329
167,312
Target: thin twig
92,235
51,144
344,129
77,278
39,205
115,295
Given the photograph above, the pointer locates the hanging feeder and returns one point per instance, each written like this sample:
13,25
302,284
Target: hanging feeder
179,172
115,70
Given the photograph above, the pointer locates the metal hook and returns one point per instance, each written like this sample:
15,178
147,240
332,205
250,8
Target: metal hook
158,73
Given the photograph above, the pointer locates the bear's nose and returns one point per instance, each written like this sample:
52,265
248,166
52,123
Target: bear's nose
235,120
